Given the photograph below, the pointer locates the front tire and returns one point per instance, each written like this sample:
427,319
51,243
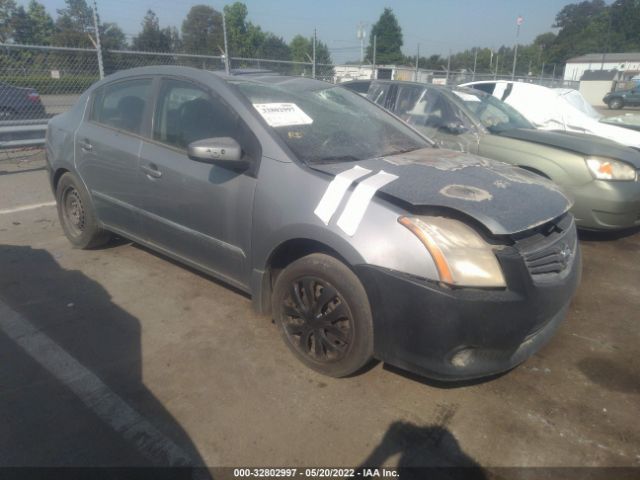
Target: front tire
323,314
616,104
76,214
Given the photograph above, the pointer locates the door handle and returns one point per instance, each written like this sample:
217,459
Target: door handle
85,145
151,170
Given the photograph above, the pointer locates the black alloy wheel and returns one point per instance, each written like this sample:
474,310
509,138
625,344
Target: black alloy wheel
317,320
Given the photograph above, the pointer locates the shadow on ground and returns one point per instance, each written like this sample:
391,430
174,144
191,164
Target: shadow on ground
424,452
71,376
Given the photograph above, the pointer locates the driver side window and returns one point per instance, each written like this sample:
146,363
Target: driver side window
186,113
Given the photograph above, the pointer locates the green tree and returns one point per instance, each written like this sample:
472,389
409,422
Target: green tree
624,32
274,48
152,38
388,39
74,25
583,29
302,51
7,11
21,26
202,31
42,26
244,38
112,37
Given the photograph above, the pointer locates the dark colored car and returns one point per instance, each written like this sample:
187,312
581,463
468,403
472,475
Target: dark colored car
623,98
358,235
18,103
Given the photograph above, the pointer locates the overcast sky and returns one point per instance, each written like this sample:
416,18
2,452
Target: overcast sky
438,25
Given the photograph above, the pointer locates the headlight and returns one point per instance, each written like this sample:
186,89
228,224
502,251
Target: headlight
461,255
610,169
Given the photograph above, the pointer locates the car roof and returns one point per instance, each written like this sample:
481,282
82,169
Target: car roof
446,88
245,75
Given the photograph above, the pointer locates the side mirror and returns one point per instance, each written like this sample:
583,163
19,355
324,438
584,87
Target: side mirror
220,150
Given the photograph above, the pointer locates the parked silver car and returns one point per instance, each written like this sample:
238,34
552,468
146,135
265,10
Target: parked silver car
359,236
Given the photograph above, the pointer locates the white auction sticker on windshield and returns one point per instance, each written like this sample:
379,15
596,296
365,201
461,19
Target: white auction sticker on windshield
467,97
283,114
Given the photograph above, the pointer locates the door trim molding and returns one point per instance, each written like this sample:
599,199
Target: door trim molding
189,231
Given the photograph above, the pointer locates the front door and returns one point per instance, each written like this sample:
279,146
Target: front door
197,211
107,146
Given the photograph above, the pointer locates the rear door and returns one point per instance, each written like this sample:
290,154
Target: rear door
197,211
107,145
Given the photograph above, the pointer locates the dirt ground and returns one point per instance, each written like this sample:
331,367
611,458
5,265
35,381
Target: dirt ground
119,356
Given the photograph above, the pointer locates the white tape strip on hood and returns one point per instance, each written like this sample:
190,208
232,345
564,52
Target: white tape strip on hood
335,192
360,199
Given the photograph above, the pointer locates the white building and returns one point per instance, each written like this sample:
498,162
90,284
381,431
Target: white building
346,73
628,64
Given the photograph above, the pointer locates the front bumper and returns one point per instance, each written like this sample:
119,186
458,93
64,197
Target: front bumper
606,205
463,333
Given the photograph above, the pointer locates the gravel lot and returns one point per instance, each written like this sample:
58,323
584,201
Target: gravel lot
119,356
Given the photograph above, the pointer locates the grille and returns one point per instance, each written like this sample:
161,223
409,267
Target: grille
551,250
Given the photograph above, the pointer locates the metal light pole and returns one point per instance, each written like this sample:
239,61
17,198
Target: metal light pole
226,47
604,54
98,46
417,62
373,72
495,75
362,33
475,62
446,80
519,21
313,67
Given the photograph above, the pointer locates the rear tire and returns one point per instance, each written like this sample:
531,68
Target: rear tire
323,314
76,214
616,104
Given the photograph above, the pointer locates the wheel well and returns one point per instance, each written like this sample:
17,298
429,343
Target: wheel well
285,254
537,172
291,250
56,176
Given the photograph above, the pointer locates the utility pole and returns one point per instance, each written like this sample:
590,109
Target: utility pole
313,67
97,32
417,61
362,33
448,68
495,75
519,21
542,72
373,72
226,46
475,62
604,54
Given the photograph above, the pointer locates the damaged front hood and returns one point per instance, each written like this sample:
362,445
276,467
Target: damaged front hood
582,143
505,199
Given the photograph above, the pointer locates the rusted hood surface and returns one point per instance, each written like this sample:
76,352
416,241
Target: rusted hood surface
505,199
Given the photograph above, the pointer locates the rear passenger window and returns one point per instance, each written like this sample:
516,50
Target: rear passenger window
121,105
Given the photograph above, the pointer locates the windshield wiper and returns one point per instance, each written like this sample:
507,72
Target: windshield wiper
336,159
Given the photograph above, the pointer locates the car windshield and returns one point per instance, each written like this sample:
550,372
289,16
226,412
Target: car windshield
323,124
494,114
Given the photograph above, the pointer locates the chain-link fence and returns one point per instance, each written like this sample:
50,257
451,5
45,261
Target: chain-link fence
343,73
37,82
